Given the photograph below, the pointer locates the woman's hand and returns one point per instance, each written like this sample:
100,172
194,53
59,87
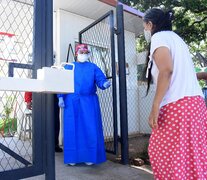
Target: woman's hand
153,118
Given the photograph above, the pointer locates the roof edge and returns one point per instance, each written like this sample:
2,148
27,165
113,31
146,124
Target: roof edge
126,8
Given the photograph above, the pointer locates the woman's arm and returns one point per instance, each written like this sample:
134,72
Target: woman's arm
163,60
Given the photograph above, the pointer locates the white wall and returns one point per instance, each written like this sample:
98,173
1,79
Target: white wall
68,26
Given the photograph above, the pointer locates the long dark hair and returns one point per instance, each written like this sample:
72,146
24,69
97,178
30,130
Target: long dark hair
161,21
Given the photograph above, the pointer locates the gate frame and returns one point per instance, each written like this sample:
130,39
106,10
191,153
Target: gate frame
109,14
122,85
122,80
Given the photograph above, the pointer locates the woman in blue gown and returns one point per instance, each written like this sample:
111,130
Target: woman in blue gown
83,134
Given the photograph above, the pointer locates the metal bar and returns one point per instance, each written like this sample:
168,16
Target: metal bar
68,53
18,65
70,48
26,3
131,10
14,155
50,137
95,22
80,37
113,63
21,173
50,121
122,86
37,104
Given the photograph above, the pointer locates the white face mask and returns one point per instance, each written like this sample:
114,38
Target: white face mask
82,57
147,35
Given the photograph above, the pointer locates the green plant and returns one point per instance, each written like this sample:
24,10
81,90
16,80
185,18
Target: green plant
8,124
8,107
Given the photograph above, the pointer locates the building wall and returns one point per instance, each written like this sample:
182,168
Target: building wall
68,25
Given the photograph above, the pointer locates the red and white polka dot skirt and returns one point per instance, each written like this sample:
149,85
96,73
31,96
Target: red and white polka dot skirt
178,148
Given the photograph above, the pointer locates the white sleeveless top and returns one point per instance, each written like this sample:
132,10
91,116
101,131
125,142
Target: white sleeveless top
183,81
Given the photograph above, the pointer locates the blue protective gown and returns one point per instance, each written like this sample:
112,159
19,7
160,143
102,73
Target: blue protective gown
83,134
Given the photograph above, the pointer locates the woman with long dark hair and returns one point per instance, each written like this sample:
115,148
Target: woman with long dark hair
178,143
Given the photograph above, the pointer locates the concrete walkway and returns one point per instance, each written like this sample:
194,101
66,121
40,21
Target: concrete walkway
105,171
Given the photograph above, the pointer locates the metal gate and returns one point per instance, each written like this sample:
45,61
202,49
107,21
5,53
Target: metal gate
100,38
25,47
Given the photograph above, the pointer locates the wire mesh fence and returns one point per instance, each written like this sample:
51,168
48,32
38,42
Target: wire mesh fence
16,40
138,104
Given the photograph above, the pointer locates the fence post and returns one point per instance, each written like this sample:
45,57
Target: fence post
49,117
122,85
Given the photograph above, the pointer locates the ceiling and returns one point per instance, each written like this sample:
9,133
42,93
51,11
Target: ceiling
94,9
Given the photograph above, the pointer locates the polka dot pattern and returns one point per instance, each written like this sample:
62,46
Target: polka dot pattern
178,148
